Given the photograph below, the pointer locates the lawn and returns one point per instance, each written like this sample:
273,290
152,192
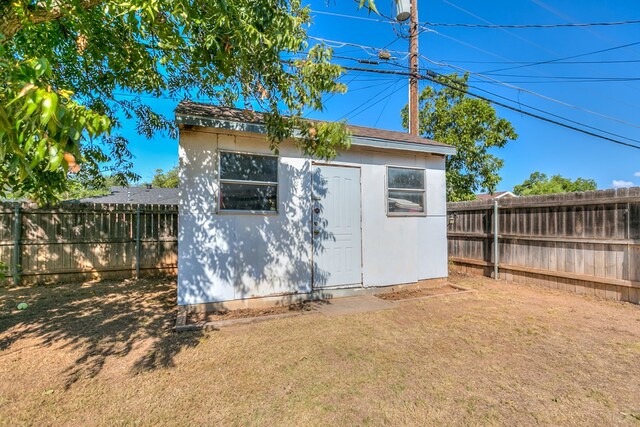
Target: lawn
104,354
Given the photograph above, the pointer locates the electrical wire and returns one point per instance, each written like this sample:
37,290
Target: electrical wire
521,26
484,76
362,18
620,61
390,20
487,22
501,104
530,92
586,78
384,107
564,58
540,110
469,45
364,106
385,98
335,44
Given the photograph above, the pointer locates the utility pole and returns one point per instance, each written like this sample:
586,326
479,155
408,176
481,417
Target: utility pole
413,69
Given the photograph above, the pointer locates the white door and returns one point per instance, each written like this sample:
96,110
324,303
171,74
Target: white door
337,251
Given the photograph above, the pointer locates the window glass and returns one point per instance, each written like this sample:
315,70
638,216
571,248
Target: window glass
406,201
405,191
248,182
405,178
248,167
248,197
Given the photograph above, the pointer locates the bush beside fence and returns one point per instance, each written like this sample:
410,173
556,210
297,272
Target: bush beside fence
76,241
582,242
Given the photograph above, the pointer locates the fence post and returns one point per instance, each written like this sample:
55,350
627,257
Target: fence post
629,255
138,242
496,252
17,237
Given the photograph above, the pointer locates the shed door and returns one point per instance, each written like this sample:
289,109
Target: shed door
337,250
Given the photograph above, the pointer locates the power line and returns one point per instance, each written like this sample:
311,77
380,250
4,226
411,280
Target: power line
619,61
335,44
487,22
513,82
540,110
520,26
484,76
543,111
361,18
374,97
501,104
587,78
488,26
564,58
486,52
566,104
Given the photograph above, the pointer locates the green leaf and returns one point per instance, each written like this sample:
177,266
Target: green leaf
49,106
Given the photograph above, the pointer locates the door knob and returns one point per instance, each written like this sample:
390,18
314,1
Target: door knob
316,232
317,210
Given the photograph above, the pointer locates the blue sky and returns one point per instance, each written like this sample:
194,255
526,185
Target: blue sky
376,100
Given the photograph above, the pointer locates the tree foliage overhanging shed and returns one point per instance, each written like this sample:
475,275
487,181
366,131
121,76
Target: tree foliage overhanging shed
75,69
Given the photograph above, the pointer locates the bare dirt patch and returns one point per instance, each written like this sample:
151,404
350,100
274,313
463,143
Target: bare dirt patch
243,313
417,293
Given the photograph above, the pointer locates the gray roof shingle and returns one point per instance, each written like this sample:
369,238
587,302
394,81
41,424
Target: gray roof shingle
141,194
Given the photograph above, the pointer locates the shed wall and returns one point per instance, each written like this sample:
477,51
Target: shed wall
234,256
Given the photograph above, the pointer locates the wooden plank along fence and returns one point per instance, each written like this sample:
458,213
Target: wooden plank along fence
586,243
75,241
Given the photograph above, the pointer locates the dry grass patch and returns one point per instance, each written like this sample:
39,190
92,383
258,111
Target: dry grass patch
104,354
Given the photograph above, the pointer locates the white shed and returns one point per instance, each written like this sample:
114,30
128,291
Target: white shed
285,227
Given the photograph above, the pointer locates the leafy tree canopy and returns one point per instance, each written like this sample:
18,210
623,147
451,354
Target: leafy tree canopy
539,183
72,70
167,179
471,125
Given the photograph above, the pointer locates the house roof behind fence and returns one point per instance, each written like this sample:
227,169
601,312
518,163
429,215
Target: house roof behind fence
208,115
137,195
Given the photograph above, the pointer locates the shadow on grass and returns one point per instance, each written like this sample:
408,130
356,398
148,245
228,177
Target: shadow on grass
98,320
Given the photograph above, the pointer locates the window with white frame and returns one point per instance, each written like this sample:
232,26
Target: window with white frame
248,182
405,191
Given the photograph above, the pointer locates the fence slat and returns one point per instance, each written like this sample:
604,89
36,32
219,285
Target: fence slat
77,241
572,237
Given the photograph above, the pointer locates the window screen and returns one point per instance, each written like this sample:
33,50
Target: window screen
405,191
248,182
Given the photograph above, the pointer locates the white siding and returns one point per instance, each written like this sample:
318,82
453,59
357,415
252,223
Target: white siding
224,256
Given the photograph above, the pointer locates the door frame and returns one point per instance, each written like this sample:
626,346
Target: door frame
315,164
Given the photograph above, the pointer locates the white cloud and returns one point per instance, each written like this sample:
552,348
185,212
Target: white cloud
637,173
619,183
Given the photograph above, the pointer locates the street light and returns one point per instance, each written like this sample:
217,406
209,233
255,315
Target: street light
403,10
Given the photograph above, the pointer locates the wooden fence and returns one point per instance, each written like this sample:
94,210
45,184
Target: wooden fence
85,240
581,242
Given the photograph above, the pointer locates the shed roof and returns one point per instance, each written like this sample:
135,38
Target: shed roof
209,115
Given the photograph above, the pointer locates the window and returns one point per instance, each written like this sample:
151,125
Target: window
405,191
248,182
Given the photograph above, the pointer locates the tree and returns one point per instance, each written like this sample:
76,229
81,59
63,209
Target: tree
471,125
539,183
72,70
166,180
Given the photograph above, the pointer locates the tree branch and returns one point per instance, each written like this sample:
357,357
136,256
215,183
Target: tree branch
11,24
